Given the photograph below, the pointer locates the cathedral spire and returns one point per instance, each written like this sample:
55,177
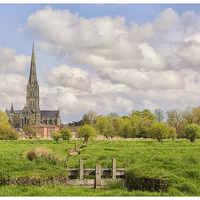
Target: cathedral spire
12,109
33,77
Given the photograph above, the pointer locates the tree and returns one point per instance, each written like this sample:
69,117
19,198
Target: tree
90,118
30,131
172,133
56,136
159,131
105,126
3,117
197,115
6,133
188,115
66,134
142,121
125,128
192,132
13,135
174,119
159,114
85,120
144,114
86,132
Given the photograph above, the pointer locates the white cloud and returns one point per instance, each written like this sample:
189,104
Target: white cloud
166,20
150,105
67,76
9,62
144,80
149,66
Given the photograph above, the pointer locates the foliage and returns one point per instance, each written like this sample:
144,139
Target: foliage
4,177
159,115
159,130
105,126
172,133
4,118
66,134
36,152
125,128
144,114
86,132
90,118
30,130
6,133
192,132
56,136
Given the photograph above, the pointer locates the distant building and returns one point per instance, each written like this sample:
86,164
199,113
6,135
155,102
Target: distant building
42,131
31,113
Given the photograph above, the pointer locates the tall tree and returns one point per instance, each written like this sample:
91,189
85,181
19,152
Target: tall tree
188,115
159,114
105,126
125,128
174,119
144,114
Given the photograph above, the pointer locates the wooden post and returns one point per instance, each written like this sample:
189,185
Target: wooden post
80,171
76,147
97,181
113,168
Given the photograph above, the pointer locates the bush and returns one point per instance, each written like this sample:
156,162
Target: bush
192,132
4,177
37,152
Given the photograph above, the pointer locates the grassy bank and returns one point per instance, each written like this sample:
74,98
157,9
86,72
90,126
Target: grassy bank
178,161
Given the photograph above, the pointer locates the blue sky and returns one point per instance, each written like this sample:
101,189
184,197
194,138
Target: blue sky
104,57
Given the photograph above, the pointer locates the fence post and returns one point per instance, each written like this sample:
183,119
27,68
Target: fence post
113,168
97,180
76,147
80,169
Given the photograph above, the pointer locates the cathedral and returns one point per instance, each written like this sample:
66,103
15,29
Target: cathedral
31,113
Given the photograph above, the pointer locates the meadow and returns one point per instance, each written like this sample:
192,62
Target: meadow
178,161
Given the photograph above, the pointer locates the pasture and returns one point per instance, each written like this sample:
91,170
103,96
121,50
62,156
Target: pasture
178,161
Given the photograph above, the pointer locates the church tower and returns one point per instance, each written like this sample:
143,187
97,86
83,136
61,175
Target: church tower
32,95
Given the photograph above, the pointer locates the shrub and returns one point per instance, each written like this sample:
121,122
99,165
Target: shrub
4,177
37,152
192,131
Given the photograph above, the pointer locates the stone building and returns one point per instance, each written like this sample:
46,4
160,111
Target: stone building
31,113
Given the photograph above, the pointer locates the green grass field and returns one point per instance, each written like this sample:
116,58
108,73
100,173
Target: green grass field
178,161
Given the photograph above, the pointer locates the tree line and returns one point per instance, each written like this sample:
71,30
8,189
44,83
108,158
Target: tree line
146,124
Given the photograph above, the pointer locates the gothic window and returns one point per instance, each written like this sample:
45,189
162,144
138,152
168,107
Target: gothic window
50,121
33,103
33,94
30,104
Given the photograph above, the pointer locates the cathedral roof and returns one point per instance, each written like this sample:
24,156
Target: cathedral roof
49,113
15,111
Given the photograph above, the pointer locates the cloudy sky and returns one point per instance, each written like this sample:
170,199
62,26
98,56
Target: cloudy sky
104,57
